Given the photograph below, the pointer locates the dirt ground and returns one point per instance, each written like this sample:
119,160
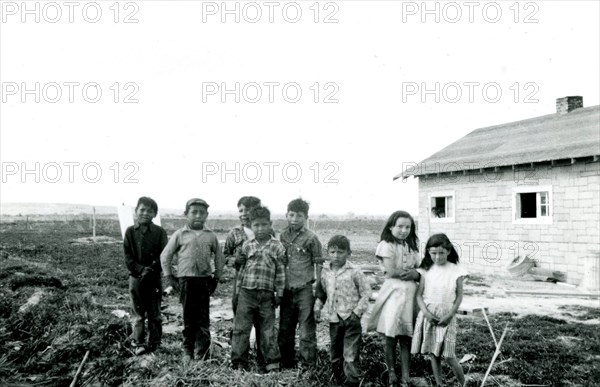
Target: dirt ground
496,297
491,292
552,340
480,292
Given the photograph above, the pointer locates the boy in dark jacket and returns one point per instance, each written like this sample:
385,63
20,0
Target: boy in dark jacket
142,245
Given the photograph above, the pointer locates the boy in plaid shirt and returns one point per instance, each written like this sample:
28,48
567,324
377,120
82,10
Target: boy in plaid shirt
232,251
347,292
261,284
236,238
303,259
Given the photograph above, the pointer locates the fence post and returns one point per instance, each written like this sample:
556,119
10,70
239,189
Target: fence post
94,223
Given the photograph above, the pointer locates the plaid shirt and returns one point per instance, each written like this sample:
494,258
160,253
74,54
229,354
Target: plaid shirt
233,243
264,268
347,291
301,247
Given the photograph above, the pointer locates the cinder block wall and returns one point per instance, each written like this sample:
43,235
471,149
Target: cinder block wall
483,227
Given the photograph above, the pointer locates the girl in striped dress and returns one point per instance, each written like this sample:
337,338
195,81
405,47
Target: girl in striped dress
439,295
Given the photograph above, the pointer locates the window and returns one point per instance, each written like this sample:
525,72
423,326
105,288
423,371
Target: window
532,204
441,206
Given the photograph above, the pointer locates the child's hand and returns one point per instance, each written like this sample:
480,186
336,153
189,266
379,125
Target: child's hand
240,260
145,271
432,317
409,275
174,282
445,320
317,315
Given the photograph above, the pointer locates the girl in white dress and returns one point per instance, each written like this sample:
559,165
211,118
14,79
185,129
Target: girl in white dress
395,308
439,296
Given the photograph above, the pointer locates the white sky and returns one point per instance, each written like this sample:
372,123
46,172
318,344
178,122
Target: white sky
370,54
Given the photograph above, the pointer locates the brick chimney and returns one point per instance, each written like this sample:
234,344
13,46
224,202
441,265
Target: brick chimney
567,104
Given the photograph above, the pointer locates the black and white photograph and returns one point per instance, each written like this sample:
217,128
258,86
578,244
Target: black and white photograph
356,193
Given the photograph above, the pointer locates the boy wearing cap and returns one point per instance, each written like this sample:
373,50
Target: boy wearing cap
200,264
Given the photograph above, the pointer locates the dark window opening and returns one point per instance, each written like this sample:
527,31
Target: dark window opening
528,205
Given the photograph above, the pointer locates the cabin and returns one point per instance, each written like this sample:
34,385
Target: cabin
526,188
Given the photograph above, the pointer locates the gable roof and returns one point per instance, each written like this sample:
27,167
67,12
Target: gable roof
551,137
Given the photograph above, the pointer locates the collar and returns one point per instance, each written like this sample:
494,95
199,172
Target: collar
400,243
271,239
137,225
348,265
187,228
302,229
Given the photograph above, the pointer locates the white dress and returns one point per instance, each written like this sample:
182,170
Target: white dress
395,308
439,295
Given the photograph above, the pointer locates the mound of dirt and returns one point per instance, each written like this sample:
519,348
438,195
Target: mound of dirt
92,240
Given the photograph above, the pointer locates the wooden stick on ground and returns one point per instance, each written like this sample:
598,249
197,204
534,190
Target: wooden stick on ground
489,326
74,382
496,353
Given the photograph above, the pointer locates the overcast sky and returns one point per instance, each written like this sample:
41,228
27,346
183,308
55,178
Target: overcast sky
333,97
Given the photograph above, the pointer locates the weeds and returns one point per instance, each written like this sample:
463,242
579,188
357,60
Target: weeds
44,344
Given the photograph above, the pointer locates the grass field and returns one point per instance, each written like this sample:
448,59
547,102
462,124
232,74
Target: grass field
81,284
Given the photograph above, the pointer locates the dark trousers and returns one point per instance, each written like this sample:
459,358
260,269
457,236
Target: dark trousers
254,304
297,309
195,301
346,341
145,304
260,359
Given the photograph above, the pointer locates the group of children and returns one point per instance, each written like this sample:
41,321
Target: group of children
416,306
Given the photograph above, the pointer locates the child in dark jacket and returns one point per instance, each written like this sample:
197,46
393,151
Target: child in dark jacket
143,243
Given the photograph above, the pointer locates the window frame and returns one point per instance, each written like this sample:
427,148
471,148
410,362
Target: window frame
445,194
537,189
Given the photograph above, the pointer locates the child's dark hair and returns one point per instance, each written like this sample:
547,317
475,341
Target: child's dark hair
412,240
147,201
259,213
249,201
298,205
438,240
339,241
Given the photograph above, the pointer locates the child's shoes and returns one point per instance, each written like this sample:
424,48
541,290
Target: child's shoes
187,359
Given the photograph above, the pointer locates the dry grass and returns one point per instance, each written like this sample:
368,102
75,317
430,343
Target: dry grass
44,345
